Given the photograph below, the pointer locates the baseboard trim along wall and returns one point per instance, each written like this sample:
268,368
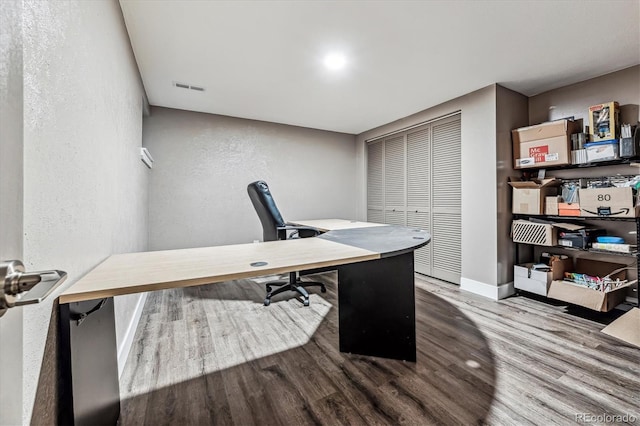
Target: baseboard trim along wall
487,290
125,348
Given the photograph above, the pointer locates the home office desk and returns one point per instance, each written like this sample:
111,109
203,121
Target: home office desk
376,302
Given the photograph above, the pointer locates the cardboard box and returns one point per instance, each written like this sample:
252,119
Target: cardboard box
613,202
541,234
604,121
602,151
536,281
543,145
626,327
551,205
529,196
583,296
568,209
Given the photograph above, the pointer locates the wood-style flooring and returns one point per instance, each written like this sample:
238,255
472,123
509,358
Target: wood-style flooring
214,355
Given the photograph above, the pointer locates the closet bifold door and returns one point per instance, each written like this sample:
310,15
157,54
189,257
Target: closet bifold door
394,180
446,196
413,179
419,191
375,195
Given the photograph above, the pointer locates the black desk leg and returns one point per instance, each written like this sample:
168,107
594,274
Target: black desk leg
377,308
90,391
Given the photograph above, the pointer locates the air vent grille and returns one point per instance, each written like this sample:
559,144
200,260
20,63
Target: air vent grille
188,86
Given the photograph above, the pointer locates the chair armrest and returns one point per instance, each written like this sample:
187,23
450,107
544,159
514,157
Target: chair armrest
302,231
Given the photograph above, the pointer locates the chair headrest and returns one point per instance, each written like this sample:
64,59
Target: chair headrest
264,204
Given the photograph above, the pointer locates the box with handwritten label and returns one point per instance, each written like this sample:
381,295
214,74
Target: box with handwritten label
607,202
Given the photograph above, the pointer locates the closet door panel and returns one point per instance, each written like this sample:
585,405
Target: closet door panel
395,180
446,202
419,169
375,174
422,256
446,248
375,216
419,190
446,166
395,217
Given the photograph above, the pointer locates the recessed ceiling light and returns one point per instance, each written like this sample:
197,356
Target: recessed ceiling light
335,61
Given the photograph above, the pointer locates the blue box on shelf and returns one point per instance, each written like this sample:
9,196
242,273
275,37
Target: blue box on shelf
602,150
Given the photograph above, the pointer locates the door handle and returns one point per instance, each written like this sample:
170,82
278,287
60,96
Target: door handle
19,288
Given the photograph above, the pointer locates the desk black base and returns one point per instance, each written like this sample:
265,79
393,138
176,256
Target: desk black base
89,389
376,306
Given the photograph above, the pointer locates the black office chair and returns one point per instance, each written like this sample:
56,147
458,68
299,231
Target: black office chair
275,228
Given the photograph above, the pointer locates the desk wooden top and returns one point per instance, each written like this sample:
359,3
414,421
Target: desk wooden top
335,224
158,270
345,242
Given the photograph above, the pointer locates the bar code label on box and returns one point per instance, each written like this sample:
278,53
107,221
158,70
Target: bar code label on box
552,157
525,161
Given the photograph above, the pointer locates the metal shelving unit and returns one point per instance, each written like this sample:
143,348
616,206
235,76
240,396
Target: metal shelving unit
635,255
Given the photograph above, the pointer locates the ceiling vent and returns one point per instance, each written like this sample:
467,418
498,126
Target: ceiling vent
188,86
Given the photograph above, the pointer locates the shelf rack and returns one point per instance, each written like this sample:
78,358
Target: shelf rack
636,254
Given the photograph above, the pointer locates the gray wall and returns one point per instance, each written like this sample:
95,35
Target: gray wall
203,163
11,165
574,100
479,183
84,183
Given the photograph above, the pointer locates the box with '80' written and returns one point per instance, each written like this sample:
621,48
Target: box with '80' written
607,202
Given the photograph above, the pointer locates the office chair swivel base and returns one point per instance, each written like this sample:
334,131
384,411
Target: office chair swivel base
297,286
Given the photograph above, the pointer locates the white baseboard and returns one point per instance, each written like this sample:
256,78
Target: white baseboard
125,348
487,290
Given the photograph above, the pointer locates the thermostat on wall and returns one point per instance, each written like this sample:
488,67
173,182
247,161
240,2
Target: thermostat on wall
146,157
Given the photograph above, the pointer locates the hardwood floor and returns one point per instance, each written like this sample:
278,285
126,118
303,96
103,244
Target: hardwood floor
214,355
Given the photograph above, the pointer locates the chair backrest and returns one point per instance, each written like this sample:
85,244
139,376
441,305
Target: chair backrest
266,208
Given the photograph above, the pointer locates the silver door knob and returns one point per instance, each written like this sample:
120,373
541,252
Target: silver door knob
18,287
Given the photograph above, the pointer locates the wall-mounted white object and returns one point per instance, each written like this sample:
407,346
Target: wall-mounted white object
146,157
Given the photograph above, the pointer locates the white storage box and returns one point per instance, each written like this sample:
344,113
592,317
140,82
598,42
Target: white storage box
602,151
538,281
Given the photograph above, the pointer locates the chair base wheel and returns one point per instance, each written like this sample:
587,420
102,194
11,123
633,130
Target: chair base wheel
294,284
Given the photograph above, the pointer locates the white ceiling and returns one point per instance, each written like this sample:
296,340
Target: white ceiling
263,59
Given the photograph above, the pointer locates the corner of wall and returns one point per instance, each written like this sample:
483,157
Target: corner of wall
493,292
512,111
